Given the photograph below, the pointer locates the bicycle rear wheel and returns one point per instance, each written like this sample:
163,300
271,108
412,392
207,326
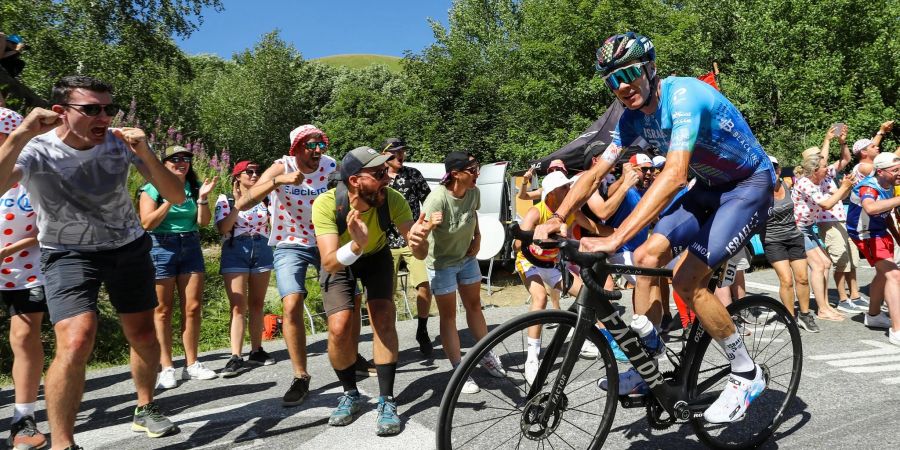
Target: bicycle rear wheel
774,344
504,415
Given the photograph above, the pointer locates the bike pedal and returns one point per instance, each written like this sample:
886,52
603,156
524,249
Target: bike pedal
633,400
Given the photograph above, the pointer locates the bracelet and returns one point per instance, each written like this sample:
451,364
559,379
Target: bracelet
879,133
556,216
345,254
202,202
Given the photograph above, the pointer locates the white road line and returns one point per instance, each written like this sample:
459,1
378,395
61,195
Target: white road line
883,349
876,369
765,287
864,361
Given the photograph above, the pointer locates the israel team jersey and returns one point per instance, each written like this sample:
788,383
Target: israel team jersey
694,116
861,225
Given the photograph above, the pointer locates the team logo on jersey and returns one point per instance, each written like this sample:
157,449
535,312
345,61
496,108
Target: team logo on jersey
726,124
678,97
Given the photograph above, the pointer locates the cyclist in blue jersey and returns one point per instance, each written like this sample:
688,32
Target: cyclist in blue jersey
700,132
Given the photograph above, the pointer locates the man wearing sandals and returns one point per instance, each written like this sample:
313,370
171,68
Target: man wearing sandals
699,131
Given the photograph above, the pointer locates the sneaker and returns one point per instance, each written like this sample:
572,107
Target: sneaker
425,345
388,422
166,378
24,435
297,392
879,321
630,383
734,400
260,357
617,351
861,301
491,363
894,337
363,367
589,350
197,371
74,447
531,370
348,405
234,367
807,321
470,387
849,307
148,419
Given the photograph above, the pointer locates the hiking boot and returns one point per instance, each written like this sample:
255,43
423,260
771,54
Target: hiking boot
807,321
388,423
348,405
297,392
24,435
364,367
425,345
260,357
148,419
197,371
165,379
234,367
734,400
491,363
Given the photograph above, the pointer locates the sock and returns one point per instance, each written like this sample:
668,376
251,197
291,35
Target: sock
423,325
22,410
386,379
741,363
347,377
534,348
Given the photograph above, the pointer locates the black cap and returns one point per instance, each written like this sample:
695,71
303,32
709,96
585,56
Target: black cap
593,150
393,145
456,161
360,158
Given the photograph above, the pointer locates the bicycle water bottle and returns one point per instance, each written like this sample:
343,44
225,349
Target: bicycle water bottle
649,336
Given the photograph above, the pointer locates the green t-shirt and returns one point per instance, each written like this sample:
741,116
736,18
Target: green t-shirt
180,218
324,213
447,244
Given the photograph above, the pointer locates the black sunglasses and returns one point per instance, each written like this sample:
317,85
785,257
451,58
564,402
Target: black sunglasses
251,172
178,159
378,174
93,109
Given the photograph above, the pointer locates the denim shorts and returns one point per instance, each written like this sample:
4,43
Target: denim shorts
811,239
290,268
447,279
246,254
176,254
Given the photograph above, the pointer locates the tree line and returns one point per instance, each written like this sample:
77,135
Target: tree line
507,80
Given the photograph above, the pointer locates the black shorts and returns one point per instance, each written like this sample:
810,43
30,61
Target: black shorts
24,301
73,279
375,271
791,250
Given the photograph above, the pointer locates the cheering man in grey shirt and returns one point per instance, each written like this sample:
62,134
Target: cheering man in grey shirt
76,169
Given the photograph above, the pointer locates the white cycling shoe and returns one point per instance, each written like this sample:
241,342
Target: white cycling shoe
734,400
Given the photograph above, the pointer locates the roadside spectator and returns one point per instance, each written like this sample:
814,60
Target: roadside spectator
832,227
659,161
644,164
292,184
874,233
525,194
554,188
785,251
410,183
179,264
451,263
22,292
351,223
11,48
246,266
808,200
76,169
868,149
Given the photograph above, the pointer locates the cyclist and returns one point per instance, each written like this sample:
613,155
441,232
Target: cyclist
699,131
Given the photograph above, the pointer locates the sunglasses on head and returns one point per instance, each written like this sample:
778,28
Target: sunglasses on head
180,159
626,74
93,109
313,145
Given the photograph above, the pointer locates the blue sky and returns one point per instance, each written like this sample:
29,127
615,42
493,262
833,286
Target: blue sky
320,27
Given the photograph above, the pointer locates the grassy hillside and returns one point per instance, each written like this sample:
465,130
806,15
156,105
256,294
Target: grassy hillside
358,61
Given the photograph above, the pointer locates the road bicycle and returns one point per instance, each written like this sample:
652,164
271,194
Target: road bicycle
565,408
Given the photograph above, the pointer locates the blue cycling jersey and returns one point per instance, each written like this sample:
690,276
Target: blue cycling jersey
693,116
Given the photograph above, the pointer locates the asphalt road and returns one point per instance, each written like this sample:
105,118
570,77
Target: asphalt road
847,399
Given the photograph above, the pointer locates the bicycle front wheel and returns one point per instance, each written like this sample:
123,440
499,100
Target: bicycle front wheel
773,340
506,411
